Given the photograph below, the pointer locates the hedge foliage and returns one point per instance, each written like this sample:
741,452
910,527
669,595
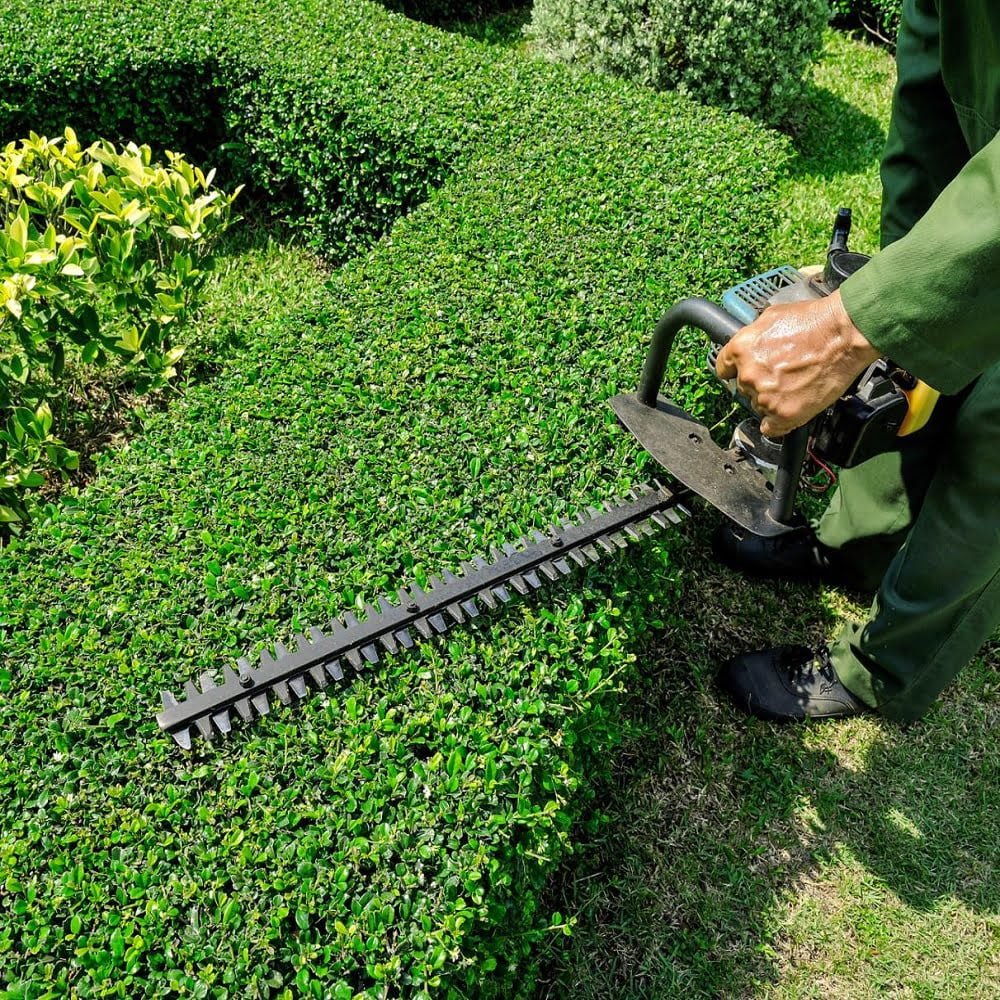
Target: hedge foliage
742,55
441,393
340,130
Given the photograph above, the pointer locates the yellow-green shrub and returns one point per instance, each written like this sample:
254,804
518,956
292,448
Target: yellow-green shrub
101,255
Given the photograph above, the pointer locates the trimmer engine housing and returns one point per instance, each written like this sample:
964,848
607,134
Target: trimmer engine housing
754,482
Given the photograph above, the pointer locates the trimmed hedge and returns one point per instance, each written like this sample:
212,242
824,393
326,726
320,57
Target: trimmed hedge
321,111
442,393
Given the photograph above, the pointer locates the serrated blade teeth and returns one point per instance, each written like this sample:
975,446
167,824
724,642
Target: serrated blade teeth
470,608
266,659
404,638
370,653
281,692
207,681
433,582
334,670
457,614
229,677
423,626
298,686
605,543
243,709
389,643
385,606
549,570
261,704
502,593
182,737
532,578
578,557
519,584
563,566
350,619
222,722
354,659
370,612
204,725
487,597
190,690
319,678
168,699
438,623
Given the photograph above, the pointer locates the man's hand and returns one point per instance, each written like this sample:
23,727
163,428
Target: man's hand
795,360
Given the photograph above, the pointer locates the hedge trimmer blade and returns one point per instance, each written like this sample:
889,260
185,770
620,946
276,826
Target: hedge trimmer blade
349,645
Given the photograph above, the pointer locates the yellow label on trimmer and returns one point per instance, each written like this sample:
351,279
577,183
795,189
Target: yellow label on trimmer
921,399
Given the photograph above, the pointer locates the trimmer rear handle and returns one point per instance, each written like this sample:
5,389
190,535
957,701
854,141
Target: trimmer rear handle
696,312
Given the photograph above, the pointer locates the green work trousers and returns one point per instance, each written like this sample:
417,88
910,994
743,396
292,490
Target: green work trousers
923,524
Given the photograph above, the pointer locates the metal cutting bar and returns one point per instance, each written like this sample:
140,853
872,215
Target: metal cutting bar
451,599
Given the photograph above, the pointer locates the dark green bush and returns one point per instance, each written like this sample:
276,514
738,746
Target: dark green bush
878,18
444,392
736,54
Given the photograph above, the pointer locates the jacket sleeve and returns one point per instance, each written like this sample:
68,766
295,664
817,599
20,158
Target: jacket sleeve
931,299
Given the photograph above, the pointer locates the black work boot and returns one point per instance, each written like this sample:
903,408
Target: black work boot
788,684
794,555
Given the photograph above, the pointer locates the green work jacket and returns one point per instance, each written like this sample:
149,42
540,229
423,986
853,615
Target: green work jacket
930,299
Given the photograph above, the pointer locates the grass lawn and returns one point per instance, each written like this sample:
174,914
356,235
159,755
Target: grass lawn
852,860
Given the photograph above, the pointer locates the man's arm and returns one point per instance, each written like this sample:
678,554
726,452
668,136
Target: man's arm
931,299
795,360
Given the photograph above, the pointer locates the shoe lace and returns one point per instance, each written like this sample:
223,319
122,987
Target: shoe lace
816,667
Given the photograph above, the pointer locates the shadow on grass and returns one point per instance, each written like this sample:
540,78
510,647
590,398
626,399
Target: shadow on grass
705,845
832,136
493,22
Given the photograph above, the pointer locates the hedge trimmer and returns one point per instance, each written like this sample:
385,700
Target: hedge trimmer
753,482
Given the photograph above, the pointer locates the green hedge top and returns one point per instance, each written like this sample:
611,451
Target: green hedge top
442,393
